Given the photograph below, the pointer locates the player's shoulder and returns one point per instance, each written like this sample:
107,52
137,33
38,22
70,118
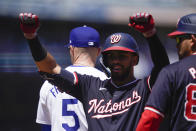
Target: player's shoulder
172,66
189,60
178,68
45,90
46,87
169,70
181,64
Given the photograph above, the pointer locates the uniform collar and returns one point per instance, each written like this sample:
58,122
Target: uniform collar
130,83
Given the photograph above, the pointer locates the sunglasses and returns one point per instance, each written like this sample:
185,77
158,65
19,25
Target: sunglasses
180,38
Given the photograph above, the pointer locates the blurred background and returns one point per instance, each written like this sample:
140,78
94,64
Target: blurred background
20,82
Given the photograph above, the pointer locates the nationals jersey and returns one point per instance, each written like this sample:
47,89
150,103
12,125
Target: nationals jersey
107,107
174,94
60,110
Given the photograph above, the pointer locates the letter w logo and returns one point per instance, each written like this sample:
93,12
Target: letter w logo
115,38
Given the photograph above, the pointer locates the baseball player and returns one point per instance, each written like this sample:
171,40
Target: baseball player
174,93
60,111
115,103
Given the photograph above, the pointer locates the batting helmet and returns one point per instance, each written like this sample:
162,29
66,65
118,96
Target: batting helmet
120,41
185,25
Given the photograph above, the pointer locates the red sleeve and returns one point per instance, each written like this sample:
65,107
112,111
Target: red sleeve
150,121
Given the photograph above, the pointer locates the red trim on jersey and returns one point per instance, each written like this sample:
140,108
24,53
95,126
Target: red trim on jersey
75,78
148,82
150,121
154,110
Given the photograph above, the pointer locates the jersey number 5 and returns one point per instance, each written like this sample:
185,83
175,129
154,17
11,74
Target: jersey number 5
190,105
65,112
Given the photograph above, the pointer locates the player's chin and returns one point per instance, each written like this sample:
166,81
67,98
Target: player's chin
116,74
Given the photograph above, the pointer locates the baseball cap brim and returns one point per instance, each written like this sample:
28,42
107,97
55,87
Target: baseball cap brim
176,33
118,48
83,44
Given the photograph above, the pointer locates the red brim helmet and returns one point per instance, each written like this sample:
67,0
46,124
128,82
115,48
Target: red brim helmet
185,25
120,42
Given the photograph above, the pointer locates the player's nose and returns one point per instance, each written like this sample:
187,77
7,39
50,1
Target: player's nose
115,59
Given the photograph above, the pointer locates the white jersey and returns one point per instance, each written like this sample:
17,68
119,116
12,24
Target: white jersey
60,110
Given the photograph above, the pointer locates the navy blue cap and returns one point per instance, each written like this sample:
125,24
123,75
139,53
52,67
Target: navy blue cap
185,25
84,37
121,41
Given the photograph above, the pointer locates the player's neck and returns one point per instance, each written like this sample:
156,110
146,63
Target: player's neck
119,81
84,63
84,60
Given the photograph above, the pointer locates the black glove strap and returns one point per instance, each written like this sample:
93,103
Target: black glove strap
37,50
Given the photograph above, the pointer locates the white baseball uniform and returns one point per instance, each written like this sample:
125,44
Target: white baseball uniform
60,110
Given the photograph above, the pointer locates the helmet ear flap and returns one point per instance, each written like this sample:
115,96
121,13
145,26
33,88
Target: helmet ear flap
137,59
105,60
104,65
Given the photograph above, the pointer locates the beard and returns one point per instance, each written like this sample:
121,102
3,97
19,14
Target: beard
183,54
120,76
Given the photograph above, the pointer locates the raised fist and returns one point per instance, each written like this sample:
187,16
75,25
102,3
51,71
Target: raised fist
143,22
29,22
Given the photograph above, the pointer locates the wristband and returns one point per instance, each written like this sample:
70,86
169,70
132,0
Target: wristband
37,50
149,33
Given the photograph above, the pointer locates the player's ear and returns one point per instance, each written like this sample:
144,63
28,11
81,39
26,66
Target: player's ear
135,59
71,47
71,50
99,51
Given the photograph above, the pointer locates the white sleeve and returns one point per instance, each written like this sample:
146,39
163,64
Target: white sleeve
43,114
